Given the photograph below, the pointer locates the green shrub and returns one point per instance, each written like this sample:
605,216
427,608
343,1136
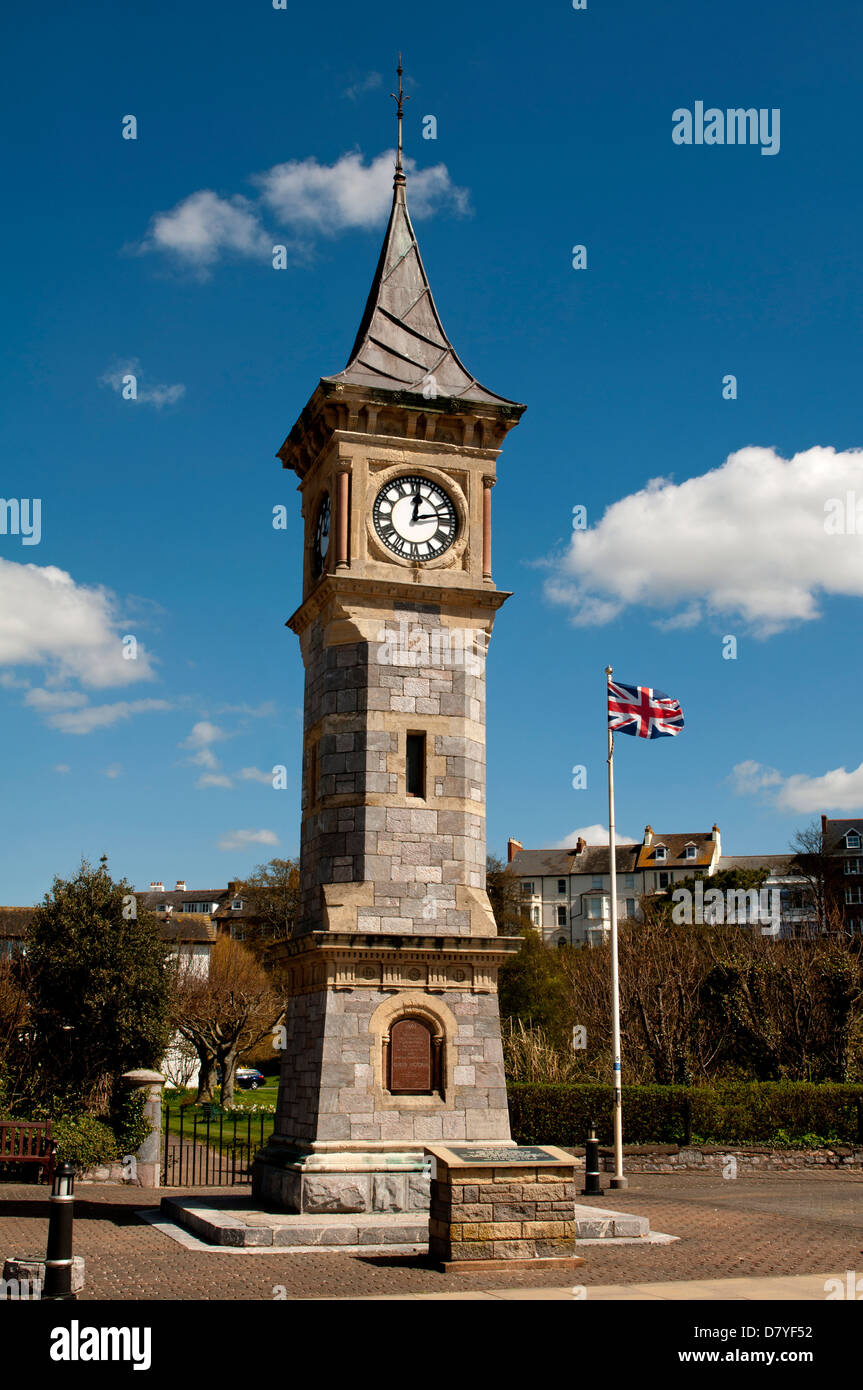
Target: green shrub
128,1121
769,1112
84,1142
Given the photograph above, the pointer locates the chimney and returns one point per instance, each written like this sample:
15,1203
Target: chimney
180,886
233,885
716,833
157,887
648,834
823,824
580,844
512,849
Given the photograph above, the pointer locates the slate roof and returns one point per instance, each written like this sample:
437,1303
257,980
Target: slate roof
835,832
780,865
559,863
14,922
401,340
151,899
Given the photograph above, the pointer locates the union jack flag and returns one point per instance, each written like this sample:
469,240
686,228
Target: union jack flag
642,711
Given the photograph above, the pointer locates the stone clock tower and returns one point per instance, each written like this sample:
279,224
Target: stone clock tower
393,1030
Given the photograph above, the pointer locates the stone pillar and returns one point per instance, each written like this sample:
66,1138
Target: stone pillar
148,1157
487,485
342,517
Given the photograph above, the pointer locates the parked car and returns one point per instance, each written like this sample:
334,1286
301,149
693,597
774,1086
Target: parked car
249,1078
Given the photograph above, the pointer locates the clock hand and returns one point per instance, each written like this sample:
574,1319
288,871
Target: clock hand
417,504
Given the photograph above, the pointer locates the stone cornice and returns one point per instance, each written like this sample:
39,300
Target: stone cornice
343,587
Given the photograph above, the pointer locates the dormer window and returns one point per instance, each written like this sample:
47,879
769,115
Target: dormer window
852,839
690,852
660,852
237,905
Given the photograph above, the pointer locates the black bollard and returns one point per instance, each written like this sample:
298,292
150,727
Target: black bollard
591,1164
58,1257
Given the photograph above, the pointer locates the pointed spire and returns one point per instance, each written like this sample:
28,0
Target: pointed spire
401,344
399,180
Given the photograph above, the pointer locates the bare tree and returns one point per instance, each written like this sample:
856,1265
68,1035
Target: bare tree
271,894
225,1012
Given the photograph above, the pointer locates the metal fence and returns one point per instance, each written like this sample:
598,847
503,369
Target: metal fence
209,1147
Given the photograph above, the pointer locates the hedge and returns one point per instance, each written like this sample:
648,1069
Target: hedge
756,1112
84,1142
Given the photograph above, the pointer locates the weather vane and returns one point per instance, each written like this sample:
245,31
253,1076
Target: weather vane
399,101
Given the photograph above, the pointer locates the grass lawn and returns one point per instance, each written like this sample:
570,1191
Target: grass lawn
248,1105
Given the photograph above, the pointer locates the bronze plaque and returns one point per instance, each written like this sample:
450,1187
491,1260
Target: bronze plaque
410,1056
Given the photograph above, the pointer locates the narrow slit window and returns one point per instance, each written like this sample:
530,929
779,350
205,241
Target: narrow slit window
415,765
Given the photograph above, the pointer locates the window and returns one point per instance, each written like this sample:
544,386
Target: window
663,879
852,839
206,908
630,907
527,888
660,852
237,905
854,866
594,907
561,885
854,895
596,881
415,765
629,880
561,916
561,942
535,916
690,852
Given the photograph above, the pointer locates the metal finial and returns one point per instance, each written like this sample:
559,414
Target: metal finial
400,100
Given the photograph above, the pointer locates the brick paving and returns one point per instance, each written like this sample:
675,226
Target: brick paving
760,1225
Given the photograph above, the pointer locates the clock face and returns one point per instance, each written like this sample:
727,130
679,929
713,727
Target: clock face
415,518
322,534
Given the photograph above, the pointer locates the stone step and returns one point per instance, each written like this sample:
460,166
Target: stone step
238,1224
595,1223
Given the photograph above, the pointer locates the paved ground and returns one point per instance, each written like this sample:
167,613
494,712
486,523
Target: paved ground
756,1227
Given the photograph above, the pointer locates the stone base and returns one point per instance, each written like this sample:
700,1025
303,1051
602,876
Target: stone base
511,1266
236,1224
597,1223
24,1278
316,1184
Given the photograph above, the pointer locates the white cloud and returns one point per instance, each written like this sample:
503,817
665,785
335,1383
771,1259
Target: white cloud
62,767
203,734
116,377
370,83
46,619
329,198
302,195
115,770
254,774
746,541
594,835
214,779
241,839
837,790
201,227
90,717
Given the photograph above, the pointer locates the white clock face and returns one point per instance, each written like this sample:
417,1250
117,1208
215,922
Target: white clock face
415,518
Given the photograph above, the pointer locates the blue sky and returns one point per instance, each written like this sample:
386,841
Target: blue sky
258,126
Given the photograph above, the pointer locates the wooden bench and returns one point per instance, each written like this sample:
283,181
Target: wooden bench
28,1141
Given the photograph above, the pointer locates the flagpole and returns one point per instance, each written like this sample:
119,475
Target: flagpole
618,1180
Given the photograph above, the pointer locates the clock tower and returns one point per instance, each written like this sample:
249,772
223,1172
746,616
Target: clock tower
393,1029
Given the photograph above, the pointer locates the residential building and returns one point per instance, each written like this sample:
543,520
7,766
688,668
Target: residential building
567,893
842,841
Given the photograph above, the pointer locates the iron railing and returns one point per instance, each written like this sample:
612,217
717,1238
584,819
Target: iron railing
209,1147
